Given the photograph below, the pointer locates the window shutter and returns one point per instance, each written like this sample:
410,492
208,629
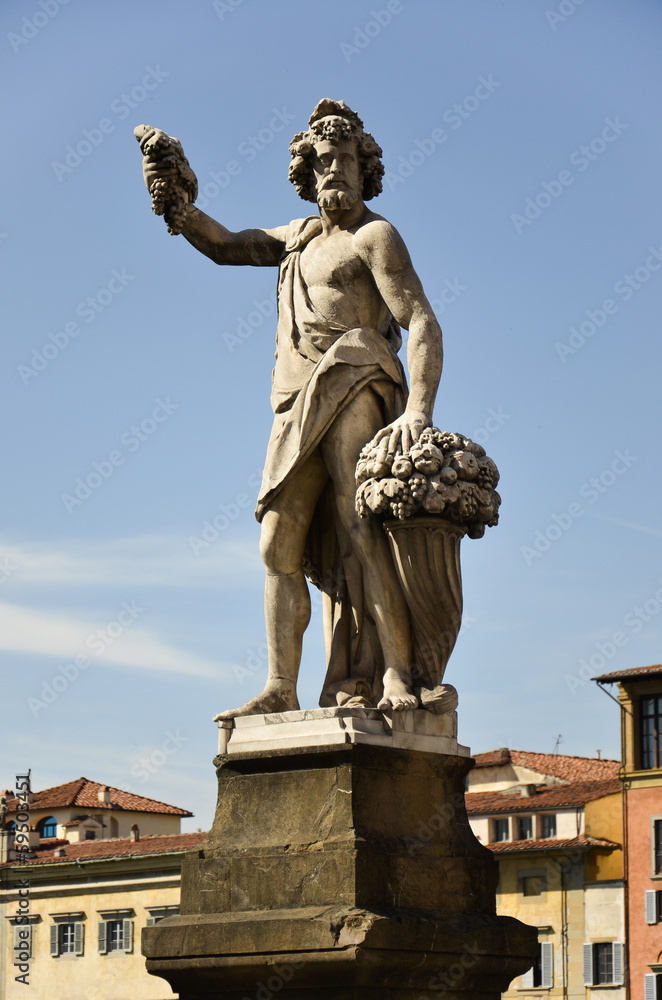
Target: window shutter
79,931
127,934
23,943
651,916
617,962
588,964
103,942
547,963
55,951
649,986
527,979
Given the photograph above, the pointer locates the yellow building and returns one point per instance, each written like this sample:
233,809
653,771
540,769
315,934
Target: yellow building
72,907
555,825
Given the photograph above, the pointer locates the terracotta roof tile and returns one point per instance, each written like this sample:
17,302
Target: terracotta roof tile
493,758
546,797
104,850
555,765
632,674
582,842
85,793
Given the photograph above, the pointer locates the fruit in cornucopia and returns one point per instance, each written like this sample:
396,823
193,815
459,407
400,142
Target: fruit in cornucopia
427,458
402,467
465,464
434,502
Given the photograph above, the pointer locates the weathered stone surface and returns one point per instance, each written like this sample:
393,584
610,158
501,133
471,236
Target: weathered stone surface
414,730
351,868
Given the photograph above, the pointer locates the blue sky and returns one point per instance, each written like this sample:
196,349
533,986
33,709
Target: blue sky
522,147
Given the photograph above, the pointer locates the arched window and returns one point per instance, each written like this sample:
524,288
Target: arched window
47,827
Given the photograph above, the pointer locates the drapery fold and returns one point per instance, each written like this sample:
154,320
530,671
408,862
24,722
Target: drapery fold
320,367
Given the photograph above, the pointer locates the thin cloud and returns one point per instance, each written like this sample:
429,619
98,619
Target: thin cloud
30,631
629,524
148,561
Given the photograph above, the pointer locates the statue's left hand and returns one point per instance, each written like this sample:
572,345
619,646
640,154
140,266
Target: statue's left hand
403,432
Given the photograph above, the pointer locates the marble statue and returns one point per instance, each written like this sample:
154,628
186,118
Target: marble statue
346,286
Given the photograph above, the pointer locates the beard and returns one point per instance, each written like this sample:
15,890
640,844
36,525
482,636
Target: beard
333,199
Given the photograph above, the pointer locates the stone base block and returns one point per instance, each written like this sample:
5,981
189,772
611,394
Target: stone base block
338,871
418,730
336,953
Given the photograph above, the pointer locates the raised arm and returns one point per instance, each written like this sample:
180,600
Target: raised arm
174,187
382,249
259,247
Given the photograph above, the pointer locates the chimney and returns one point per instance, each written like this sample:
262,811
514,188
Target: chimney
135,832
58,852
104,795
527,790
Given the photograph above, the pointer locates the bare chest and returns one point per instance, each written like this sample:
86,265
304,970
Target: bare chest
333,261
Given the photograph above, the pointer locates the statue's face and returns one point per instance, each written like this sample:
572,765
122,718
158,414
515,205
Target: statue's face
337,174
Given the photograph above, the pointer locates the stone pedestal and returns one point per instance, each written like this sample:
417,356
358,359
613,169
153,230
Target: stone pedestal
340,865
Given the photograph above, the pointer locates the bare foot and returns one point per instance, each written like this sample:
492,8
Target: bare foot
278,696
397,694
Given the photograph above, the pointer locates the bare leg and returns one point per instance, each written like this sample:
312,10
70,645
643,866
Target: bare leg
356,425
286,598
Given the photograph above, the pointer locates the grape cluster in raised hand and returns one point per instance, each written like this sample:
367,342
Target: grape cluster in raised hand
176,185
442,473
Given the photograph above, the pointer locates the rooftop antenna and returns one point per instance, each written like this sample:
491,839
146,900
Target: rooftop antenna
559,740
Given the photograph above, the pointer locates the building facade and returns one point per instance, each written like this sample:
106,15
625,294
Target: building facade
640,697
73,905
554,824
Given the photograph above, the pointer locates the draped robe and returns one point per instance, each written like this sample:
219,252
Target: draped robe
320,367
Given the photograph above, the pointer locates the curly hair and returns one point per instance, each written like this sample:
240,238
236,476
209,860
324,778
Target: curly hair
334,121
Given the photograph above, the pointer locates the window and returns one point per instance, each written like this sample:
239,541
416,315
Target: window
653,906
115,934
650,709
47,827
542,973
90,835
653,986
500,828
22,941
547,827
657,847
603,963
66,936
532,885
524,828
157,913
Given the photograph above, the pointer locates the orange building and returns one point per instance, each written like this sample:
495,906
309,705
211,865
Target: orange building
640,697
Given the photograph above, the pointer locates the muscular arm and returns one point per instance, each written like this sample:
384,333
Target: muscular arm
385,254
259,247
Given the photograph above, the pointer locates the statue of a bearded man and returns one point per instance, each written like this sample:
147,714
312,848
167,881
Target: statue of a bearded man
346,286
